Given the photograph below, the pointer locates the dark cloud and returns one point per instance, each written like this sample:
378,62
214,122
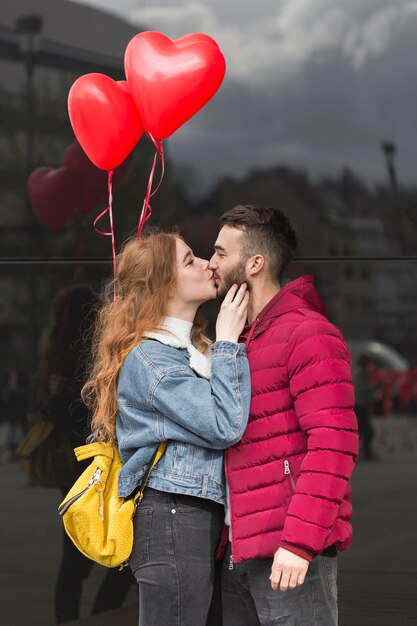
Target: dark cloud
313,84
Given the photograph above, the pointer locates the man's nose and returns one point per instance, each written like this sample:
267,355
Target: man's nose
212,263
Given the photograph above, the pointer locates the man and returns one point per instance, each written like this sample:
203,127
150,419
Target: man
288,492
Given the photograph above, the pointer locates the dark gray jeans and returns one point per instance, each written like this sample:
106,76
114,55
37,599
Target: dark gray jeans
248,599
173,557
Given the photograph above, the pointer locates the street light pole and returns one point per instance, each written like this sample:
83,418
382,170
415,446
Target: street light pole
28,30
390,150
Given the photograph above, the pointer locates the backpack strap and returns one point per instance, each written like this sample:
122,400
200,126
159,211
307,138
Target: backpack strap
97,448
138,496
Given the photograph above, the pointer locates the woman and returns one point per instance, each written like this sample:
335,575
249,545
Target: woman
61,374
171,386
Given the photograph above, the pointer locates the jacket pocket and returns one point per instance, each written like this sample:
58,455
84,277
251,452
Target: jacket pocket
188,504
289,476
330,571
182,459
291,471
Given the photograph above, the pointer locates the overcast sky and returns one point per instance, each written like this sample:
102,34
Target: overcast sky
311,83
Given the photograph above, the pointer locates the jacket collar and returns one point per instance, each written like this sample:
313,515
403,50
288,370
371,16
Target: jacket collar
199,362
296,295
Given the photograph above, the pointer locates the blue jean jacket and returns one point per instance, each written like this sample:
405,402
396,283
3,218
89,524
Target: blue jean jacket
161,398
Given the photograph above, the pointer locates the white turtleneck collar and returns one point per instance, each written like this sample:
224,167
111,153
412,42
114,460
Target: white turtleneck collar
176,333
180,328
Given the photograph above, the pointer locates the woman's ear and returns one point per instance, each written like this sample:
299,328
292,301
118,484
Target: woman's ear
255,264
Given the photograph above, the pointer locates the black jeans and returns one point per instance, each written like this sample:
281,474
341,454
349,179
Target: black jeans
173,557
248,599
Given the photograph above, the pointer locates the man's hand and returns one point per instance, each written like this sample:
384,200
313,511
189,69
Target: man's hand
288,570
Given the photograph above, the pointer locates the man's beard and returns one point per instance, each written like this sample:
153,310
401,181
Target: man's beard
235,276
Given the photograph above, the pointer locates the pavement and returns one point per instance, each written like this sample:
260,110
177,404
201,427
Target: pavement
377,575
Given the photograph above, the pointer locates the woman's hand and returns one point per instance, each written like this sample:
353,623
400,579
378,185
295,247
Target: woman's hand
233,313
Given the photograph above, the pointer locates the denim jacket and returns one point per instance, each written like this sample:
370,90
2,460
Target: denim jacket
160,398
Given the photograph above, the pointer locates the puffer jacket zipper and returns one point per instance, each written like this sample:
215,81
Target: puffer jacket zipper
226,471
287,472
226,468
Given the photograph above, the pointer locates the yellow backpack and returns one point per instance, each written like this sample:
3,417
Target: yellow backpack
97,520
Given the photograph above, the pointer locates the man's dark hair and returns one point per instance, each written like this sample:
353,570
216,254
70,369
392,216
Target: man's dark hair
267,231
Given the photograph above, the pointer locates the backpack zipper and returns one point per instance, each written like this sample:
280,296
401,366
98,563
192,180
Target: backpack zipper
95,479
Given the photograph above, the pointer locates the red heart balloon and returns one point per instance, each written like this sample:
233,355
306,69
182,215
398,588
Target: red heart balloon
54,194
94,179
104,119
75,159
171,80
193,37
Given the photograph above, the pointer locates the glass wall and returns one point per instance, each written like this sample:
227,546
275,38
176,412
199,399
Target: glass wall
316,116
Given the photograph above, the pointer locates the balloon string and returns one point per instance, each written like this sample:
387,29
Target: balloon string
146,208
109,210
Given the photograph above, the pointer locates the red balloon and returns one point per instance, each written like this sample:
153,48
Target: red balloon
94,180
193,37
76,160
88,201
171,80
55,195
104,119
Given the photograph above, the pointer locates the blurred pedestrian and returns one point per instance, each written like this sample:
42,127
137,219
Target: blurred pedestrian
14,395
364,399
63,353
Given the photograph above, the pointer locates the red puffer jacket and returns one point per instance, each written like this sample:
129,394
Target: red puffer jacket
288,477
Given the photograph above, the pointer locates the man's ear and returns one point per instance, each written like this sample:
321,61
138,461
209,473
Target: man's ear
255,264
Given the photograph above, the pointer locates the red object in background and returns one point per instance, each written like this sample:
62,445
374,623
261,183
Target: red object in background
104,118
76,160
95,187
407,389
171,80
55,194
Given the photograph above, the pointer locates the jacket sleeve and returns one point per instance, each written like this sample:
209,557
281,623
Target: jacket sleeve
322,391
211,412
